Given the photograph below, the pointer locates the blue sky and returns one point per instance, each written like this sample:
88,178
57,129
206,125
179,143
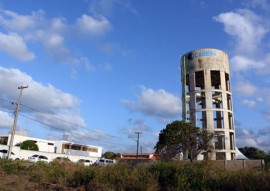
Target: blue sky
101,70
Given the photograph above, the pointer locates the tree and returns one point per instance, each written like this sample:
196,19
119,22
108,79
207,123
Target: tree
181,137
28,145
254,153
111,155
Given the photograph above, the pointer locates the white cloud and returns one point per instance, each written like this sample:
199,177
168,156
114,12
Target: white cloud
47,99
258,95
51,36
36,28
242,63
88,25
245,137
244,88
257,137
62,120
106,67
6,120
105,7
14,45
158,103
13,21
246,27
249,103
266,69
260,3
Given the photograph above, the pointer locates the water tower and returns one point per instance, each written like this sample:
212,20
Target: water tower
207,98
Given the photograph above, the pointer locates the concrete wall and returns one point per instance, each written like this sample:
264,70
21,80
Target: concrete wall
55,147
235,165
43,145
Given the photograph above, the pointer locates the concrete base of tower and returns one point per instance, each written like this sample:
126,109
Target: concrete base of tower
219,155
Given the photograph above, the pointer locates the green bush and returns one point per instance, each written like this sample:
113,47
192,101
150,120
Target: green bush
81,177
12,167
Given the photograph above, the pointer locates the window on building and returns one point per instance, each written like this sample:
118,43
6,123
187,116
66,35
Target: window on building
92,149
232,147
230,118
201,119
200,100
227,78
199,80
218,119
229,102
217,100
219,139
215,79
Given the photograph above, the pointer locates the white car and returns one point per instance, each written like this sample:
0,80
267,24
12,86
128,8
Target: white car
4,154
37,158
105,162
85,162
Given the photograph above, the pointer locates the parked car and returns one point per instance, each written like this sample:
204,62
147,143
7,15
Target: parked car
85,162
37,158
61,159
4,154
104,162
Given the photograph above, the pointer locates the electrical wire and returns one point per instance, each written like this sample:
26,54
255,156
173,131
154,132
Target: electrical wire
72,132
46,114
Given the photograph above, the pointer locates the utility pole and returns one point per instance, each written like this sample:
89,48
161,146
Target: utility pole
15,121
138,139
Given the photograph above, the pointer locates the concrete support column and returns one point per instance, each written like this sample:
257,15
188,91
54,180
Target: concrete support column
192,103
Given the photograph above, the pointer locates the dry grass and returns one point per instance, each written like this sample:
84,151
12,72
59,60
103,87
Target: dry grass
145,177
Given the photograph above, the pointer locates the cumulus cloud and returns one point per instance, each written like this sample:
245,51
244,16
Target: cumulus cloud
6,120
258,138
245,88
88,25
137,125
157,103
51,103
257,3
15,46
246,27
259,94
249,103
50,33
267,114
105,7
245,137
242,63
266,61
52,36
106,67
13,21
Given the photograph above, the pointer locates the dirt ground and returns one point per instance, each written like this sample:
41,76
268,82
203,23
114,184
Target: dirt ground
11,182
20,183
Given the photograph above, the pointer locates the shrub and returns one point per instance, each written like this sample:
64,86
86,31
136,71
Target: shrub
82,176
12,167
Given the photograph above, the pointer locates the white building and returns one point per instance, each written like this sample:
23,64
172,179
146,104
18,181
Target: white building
52,149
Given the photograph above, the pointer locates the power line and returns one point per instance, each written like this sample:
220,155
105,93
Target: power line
71,123
72,132
47,114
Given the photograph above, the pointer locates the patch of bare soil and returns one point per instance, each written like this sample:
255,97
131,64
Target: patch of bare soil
11,182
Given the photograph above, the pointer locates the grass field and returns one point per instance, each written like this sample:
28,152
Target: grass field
20,175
